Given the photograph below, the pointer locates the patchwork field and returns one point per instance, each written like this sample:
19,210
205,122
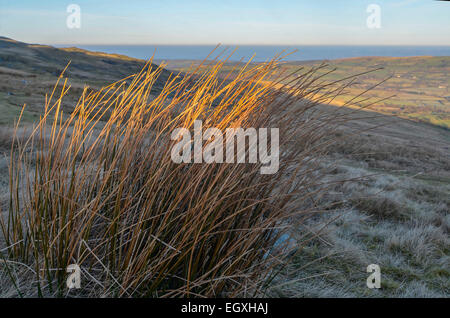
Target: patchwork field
416,88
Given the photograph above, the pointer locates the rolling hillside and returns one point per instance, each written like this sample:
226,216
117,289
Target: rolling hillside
29,71
391,176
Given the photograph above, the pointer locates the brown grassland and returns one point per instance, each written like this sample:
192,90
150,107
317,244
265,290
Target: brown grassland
87,178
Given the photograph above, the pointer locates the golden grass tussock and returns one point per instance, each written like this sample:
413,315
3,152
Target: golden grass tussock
97,187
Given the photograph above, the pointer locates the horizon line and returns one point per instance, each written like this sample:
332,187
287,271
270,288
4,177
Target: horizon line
229,44
239,45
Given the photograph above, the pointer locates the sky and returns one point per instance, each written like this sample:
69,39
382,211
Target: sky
243,22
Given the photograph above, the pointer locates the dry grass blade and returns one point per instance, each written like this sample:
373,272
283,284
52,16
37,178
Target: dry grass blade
97,187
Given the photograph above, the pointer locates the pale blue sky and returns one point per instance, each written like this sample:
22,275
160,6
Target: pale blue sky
278,22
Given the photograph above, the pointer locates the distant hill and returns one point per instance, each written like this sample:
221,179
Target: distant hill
44,59
28,71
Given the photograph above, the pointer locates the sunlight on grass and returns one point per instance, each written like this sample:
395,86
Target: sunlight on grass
97,187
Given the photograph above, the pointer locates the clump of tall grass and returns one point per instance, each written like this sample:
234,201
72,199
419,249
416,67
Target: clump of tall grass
97,187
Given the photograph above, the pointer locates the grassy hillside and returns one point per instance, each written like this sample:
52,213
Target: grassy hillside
390,178
393,211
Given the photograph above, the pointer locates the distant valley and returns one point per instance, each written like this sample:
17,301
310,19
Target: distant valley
417,88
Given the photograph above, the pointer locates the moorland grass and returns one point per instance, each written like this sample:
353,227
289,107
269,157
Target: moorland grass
97,187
